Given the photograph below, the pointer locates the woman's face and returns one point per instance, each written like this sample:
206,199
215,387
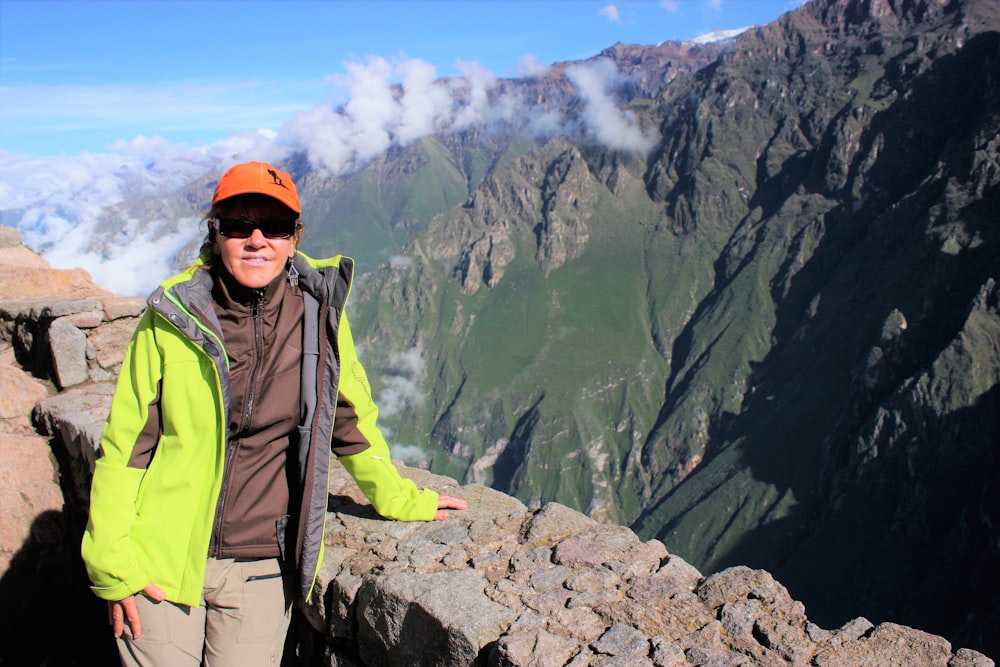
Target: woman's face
256,260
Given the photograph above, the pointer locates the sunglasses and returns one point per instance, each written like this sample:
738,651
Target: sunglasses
235,228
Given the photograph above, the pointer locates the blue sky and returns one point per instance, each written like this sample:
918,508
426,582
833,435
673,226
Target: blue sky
77,76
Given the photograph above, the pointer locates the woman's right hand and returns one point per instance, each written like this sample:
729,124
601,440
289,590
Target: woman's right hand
125,610
448,503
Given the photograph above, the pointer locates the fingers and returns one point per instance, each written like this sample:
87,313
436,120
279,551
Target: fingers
448,503
124,610
154,593
116,617
131,615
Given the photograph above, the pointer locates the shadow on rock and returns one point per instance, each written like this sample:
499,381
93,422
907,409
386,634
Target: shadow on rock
49,616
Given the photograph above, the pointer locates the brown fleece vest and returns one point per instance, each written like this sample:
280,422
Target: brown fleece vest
262,333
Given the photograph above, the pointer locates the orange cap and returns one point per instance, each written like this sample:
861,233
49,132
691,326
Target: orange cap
261,178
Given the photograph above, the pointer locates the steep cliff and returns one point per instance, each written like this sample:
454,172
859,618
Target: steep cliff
741,297
496,585
771,340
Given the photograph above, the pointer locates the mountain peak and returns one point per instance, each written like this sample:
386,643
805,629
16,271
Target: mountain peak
719,35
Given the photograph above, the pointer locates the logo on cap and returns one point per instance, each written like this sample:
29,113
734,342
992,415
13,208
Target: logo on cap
277,179
251,177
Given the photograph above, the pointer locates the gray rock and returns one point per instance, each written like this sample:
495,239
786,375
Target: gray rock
442,618
681,572
117,307
494,585
10,237
549,578
536,648
667,654
69,353
553,522
85,320
889,644
622,640
76,417
967,658
47,309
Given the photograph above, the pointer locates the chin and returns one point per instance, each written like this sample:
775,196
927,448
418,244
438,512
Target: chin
255,279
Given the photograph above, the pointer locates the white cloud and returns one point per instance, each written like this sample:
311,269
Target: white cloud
325,132
402,383
718,35
396,104
392,104
409,454
424,105
130,268
670,5
611,13
545,124
604,121
62,200
371,108
477,82
529,67
400,261
382,111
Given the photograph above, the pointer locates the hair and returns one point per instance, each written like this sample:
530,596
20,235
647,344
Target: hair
250,207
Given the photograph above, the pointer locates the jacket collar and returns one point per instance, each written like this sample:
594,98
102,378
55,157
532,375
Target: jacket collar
230,295
325,279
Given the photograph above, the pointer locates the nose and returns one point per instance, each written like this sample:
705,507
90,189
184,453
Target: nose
256,239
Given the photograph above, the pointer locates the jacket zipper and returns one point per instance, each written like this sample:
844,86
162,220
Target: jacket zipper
258,349
233,446
213,549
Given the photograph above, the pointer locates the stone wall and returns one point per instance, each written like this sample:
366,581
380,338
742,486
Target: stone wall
57,330
499,584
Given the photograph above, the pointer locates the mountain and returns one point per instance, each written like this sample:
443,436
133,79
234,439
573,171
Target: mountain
771,340
368,184
371,212
497,584
740,296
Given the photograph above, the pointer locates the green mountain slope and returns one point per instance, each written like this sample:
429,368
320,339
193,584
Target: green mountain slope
513,332
772,341
862,278
371,213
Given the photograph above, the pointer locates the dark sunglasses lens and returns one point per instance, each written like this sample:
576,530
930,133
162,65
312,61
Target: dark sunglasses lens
235,229
241,229
276,230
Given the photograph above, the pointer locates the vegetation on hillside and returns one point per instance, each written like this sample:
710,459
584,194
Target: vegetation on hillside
772,341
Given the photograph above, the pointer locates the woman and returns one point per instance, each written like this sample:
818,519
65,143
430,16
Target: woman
208,503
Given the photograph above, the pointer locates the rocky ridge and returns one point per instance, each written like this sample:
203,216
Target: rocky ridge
776,330
499,584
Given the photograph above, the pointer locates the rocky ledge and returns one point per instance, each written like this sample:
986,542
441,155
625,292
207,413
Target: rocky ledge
499,584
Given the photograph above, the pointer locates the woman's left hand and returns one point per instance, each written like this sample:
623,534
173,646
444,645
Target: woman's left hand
448,503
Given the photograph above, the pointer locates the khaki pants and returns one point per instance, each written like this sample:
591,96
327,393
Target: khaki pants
242,621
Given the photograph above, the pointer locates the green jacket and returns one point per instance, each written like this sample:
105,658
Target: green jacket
152,523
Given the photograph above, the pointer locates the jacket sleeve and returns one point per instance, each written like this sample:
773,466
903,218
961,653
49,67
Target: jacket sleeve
392,495
127,444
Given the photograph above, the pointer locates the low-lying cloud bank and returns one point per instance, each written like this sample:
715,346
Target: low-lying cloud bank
382,113
64,205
